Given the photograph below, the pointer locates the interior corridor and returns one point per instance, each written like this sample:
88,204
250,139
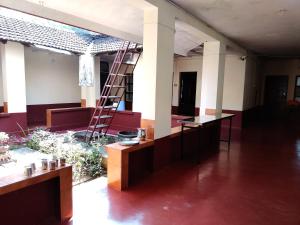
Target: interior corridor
257,182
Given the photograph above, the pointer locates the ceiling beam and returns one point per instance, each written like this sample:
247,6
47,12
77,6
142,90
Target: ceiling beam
61,17
196,26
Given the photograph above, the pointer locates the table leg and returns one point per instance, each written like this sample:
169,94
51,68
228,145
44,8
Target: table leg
229,134
181,142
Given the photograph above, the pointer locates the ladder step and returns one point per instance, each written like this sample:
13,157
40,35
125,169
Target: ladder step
99,126
107,107
119,71
129,64
115,86
122,75
135,51
111,96
103,117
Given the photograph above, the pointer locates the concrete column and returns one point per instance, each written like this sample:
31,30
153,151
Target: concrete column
90,95
13,74
153,88
212,78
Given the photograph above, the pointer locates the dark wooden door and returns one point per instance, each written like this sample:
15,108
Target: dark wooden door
187,94
276,88
104,72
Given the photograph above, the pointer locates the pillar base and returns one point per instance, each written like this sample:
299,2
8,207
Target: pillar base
83,103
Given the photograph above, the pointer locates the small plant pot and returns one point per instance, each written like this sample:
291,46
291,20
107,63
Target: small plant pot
3,149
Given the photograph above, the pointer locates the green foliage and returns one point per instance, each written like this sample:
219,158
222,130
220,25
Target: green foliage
85,159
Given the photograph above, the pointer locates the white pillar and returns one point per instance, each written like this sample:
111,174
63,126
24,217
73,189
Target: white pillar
212,78
90,95
13,74
153,88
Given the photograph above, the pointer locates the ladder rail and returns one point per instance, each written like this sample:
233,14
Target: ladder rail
122,80
115,76
113,82
106,90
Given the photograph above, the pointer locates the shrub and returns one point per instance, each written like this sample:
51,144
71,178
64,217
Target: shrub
85,159
3,138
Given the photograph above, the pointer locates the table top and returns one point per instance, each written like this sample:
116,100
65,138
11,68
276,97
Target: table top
202,120
18,181
117,147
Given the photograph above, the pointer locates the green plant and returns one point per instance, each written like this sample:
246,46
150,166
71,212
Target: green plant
85,159
3,138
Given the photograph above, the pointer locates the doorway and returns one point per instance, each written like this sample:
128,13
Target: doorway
276,88
187,93
104,72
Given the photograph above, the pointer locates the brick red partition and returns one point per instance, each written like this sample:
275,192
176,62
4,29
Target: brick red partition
125,120
36,114
68,118
9,122
77,117
199,144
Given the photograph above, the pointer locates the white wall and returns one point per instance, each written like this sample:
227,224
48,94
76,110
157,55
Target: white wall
187,64
51,77
252,83
13,75
234,79
137,76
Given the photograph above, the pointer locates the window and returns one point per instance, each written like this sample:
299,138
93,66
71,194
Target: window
129,89
297,89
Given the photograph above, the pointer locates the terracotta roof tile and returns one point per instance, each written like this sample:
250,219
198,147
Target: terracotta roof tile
13,29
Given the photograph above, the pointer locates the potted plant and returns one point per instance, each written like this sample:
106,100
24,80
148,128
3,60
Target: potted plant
3,142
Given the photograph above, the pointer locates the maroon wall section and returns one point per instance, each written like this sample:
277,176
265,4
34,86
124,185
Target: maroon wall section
69,118
199,144
9,122
36,114
1,109
37,204
125,120
237,120
251,115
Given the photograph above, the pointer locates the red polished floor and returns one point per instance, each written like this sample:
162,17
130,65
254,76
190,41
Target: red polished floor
257,182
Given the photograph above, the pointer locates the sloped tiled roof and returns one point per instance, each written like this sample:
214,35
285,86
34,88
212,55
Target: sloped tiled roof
18,30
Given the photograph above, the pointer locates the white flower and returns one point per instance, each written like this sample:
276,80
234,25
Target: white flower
3,137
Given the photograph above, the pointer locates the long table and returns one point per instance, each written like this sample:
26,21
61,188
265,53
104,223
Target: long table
204,121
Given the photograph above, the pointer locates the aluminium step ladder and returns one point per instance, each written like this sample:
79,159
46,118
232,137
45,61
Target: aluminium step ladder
113,90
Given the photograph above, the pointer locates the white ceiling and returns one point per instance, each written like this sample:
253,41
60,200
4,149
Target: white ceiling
270,27
120,15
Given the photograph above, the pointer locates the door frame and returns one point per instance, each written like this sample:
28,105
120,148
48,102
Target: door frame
265,83
298,76
180,86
